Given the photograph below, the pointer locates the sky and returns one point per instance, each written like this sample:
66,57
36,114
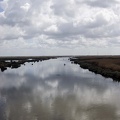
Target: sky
59,27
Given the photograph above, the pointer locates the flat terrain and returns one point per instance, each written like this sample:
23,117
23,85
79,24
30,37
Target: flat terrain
17,61
25,57
108,66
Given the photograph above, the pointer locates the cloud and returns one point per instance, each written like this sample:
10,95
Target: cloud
98,3
64,8
26,6
64,24
10,33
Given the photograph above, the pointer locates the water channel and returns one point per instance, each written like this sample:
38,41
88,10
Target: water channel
56,89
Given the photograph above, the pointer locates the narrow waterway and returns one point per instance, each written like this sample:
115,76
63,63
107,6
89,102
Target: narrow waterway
56,89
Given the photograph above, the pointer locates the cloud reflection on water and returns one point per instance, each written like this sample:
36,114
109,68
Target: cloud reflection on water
50,90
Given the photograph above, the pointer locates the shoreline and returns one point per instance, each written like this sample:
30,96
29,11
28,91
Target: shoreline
16,62
108,67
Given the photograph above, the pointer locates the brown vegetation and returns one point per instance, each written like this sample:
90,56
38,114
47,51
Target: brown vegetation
108,66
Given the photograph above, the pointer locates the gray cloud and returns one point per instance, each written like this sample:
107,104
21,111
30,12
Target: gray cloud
59,24
63,8
98,3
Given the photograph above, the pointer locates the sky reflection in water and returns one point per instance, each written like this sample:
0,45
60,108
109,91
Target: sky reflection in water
50,90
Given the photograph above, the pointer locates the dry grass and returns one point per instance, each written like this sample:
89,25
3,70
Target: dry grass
113,64
107,62
108,66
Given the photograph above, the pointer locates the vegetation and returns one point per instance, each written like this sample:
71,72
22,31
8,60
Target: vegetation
108,66
15,62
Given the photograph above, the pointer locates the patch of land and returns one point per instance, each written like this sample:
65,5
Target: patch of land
107,66
15,62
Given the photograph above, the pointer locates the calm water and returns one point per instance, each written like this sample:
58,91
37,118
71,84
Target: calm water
50,90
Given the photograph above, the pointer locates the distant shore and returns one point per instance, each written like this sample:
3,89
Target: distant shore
25,57
16,61
107,66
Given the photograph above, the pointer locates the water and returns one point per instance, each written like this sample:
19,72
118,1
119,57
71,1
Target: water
57,90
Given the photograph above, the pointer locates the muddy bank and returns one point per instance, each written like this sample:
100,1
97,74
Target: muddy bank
16,62
107,66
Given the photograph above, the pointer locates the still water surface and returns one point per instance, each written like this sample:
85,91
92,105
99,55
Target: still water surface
50,90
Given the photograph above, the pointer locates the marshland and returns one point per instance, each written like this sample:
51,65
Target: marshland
58,88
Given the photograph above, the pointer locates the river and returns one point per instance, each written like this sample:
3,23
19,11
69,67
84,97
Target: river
56,89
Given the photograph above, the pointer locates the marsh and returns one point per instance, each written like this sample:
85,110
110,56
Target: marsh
57,89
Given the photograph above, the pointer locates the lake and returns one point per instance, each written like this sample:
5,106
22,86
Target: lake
56,89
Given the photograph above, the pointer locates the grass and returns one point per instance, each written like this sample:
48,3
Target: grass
108,66
15,62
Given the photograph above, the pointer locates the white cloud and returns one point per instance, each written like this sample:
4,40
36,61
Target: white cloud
52,28
11,33
26,6
64,24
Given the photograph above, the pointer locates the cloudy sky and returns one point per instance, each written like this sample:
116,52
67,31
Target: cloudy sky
59,27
